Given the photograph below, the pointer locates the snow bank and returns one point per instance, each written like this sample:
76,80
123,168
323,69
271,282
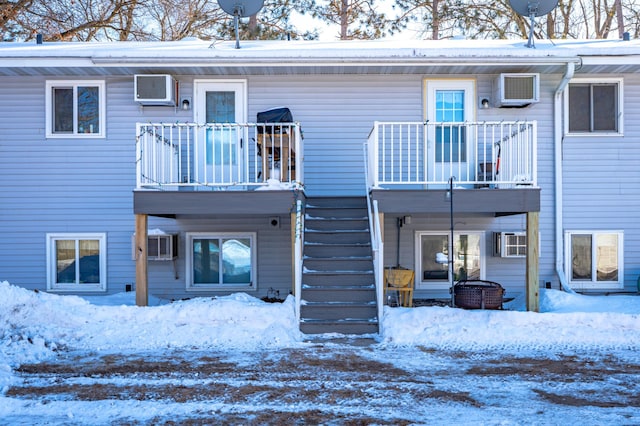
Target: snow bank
566,322
33,325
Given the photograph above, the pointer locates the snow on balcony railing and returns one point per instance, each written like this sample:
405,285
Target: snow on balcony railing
495,154
172,155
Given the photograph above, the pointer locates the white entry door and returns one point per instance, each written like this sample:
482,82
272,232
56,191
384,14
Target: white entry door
220,149
450,104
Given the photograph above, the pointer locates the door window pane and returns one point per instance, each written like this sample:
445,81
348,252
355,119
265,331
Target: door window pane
434,256
221,142
450,140
451,143
466,264
434,249
221,146
221,107
236,257
206,261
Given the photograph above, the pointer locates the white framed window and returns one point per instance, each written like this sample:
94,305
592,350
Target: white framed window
594,107
77,262
75,109
433,247
221,261
594,259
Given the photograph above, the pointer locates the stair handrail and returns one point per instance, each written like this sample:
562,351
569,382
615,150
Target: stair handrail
377,249
377,246
298,251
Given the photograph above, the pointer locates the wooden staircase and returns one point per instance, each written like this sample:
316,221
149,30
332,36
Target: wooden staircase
338,282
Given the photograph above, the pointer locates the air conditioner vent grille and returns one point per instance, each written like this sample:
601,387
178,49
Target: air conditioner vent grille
519,88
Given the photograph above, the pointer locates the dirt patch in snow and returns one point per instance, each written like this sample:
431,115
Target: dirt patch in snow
311,385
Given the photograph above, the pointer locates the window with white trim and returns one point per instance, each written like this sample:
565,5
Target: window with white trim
594,106
77,262
75,108
432,250
594,259
221,261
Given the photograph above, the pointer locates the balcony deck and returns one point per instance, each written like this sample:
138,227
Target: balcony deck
201,169
493,166
195,169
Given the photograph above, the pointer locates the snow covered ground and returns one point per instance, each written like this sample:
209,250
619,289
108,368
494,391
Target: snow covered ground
37,327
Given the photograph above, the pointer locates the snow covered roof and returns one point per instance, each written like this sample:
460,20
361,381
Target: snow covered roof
191,53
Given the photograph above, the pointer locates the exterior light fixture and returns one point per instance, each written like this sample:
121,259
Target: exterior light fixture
185,104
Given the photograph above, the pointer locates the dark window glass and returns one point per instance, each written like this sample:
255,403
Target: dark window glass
88,110
63,110
579,108
581,258
605,102
206,261
593,107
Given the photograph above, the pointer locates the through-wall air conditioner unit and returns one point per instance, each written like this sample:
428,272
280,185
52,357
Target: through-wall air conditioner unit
517,89
154,89
160,246
510,244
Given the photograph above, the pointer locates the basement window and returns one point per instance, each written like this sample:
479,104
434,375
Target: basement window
594,259
76,262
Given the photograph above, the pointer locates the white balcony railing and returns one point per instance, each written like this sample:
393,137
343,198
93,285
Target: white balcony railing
494,154
172,155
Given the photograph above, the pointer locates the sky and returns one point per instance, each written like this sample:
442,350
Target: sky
36,326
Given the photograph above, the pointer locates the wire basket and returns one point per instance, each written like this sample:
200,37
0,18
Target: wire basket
478,294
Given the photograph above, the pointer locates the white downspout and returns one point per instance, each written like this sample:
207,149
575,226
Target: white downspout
557,139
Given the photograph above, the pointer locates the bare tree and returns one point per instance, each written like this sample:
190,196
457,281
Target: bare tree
69,20
358,19
496,19
85,20
273,22
431,14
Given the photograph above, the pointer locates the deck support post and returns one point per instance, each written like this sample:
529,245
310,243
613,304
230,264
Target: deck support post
142,277
533,243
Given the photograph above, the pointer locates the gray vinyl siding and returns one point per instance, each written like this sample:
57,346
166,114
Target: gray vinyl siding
85,185
337,113
602,181
68,185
